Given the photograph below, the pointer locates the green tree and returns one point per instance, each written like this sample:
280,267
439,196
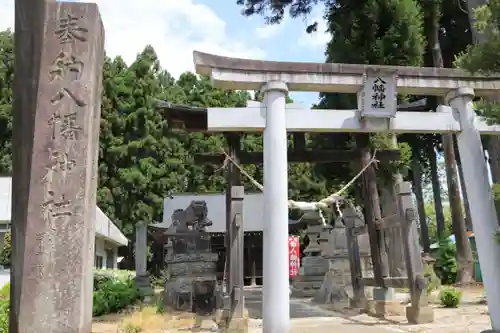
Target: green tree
6,79
430,213
484,57
142,160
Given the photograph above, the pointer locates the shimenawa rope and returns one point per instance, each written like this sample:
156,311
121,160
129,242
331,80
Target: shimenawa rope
321,205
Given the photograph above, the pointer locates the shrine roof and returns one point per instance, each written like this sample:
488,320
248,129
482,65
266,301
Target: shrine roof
246,74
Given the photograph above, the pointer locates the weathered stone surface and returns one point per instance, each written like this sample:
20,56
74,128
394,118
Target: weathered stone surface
312,284
190,280
143,283
54,255
333,290
314,266
29,31
382,309
422,315
331,270
191,257
383,294
192,268
141,248
141,259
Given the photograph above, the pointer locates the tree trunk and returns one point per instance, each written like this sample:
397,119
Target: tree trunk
417,188
373,213
471,5
465,265
436,191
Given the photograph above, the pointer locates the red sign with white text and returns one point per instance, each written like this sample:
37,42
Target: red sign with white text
293,256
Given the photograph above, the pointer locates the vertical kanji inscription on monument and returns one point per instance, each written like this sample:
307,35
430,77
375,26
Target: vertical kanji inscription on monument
55,293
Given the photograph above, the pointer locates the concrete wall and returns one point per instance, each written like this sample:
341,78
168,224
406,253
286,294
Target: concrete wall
101,245
104,227
4,277
108,253
5,198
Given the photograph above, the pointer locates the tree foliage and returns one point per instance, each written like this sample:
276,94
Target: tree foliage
483,57
142,160
6,80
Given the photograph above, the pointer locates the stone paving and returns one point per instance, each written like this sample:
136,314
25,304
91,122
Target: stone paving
306,317
298,307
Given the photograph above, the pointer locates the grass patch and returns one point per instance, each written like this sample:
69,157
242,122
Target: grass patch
148,319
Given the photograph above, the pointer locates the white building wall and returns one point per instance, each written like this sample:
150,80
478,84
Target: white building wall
108,235
105,254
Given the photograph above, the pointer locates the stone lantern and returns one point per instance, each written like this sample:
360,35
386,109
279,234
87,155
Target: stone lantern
313,264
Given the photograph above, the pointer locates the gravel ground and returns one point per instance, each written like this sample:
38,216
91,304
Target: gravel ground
466,319
470,317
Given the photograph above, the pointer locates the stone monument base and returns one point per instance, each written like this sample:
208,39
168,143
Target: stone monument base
229,325
306,286
143,284
384,308
357,304
332,291
423,315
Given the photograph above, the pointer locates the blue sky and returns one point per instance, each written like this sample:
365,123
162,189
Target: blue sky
286,42
176,28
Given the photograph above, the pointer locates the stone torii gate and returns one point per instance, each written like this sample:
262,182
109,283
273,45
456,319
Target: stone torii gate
376,87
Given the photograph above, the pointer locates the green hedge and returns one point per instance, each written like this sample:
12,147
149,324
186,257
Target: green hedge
6,250
4,308
113,290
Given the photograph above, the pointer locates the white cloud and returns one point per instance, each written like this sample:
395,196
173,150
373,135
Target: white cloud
173,28
317,39
268,31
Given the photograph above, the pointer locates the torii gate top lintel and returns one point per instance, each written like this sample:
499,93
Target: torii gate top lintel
247,74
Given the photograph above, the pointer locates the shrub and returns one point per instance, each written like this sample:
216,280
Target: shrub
131,328
105,275
433,281
158,281
446,262
450,297
114,290
6,251
160,305
4,307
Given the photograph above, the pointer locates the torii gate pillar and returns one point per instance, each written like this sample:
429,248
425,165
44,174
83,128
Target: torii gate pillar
482,207
276,311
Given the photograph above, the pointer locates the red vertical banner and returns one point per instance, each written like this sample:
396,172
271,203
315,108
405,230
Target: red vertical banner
293,256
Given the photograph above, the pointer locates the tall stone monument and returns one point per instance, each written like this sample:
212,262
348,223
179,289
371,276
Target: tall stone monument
57,90
142,280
